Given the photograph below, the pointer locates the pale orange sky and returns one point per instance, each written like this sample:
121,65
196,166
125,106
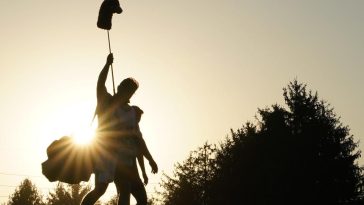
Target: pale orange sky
203,66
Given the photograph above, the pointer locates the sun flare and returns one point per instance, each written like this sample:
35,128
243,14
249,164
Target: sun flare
73,120
84,135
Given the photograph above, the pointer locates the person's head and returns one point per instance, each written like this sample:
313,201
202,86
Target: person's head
127,88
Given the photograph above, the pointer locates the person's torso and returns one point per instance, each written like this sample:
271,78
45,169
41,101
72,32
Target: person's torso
118,126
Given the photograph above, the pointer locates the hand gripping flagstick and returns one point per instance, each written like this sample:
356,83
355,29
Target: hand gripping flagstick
107,9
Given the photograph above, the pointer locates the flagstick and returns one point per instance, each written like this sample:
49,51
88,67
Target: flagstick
112,69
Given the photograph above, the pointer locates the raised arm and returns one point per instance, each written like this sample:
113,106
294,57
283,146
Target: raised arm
101,88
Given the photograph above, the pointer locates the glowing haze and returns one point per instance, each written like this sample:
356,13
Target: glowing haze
203,66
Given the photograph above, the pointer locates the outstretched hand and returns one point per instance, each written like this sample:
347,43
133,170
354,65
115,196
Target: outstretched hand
154,166
110,59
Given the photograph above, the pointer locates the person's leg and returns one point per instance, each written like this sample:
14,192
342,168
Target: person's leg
122,185
95,194
131,182
123,188
138,191
124,194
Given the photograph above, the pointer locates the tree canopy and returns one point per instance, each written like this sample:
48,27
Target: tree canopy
26,194
299,153
71,194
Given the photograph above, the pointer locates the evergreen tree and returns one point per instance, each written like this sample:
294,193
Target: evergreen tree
299,153
26,194
325,152
70,194
189,183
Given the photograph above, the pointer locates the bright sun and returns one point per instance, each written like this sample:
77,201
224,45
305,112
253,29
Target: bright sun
84,135
73,120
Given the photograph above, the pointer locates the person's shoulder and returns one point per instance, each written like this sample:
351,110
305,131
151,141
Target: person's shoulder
137,109
108,95
103,94
104,101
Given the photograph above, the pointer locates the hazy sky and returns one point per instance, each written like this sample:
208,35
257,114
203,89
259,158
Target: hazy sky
203,67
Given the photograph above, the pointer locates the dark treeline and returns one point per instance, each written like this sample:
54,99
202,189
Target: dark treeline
299,153
27,193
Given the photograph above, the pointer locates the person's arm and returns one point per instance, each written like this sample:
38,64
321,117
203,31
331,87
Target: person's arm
142,167
101,88
146,153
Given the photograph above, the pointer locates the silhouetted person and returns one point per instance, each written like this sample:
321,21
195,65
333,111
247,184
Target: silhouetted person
138,133
142,148
127,179
115,148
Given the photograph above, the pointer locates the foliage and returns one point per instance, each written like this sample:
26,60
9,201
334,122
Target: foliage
67,194
152,201
64,194
112,201
298,154
26,194
190,180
